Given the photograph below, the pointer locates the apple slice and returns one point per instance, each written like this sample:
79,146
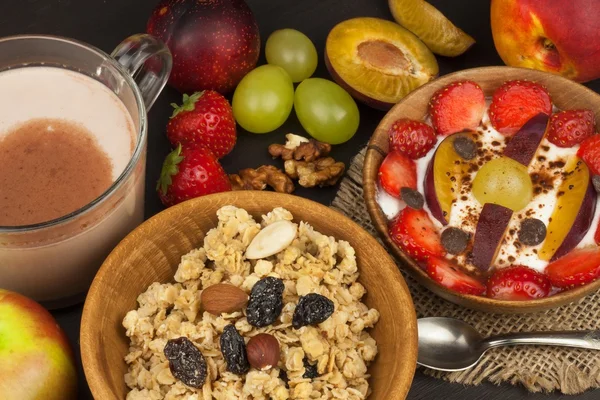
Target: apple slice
443,177
573,212
491,227
524,144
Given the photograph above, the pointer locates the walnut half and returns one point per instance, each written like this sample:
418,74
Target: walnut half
322,172
299,148
259,178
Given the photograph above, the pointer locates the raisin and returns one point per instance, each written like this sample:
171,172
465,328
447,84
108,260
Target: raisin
465,147
312,309
455,240
186,362
266,302
233,348
412,198
310,371
284,377
533,232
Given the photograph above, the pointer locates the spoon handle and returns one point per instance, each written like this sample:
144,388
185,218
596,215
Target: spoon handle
580,339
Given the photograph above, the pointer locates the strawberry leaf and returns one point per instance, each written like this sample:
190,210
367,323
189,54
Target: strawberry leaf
169,169
188,104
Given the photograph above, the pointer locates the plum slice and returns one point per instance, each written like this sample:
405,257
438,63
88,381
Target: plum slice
377,61
490,230
443,177
524,144
573,212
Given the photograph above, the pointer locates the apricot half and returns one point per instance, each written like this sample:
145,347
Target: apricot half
377,61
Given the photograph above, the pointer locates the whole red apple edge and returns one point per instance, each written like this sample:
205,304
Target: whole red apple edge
36,361
555,36
523,111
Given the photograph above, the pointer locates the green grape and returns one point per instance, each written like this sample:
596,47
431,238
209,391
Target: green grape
326,111
505,182
293,51
263,100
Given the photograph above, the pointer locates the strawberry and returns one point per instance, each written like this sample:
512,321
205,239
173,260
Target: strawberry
413,232
397,171
457,107
204,118
597,235
518,283
589,151
579,267
448,274
571,127
516,102
412,138
190,172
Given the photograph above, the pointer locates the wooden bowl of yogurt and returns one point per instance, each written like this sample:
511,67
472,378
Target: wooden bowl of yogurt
565,94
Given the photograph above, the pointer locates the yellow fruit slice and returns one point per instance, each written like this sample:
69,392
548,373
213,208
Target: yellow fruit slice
448,170
431,26
568,206
378,61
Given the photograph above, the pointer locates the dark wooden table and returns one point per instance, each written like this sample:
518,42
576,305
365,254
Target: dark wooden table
104,23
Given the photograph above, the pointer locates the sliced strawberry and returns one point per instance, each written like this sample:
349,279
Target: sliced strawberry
413,232
516,102
579,267
412,138
597,235
589,151
571,127
518,283
457,107
397,171
448,274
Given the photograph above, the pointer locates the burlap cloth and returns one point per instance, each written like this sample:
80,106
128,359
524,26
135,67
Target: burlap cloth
538,369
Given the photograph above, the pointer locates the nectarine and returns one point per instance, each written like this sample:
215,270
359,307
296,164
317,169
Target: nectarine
554,36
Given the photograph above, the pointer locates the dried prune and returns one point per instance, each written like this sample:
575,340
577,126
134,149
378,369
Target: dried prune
284,377
465,147
412,198
310,371
266,302
312,309
455,240
233,348
186,362
533,232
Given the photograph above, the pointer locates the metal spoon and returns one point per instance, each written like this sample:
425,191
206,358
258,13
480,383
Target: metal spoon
449,344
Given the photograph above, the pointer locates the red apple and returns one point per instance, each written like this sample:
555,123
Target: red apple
214,43
549,35
36,361
491,226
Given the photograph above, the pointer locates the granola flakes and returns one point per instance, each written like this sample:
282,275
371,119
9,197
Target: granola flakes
339,348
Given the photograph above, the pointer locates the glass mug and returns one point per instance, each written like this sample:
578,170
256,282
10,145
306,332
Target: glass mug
54,262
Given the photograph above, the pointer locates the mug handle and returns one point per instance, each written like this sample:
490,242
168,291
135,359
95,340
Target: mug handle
148,61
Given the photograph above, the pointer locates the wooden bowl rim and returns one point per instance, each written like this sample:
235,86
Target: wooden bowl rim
371,165
92,366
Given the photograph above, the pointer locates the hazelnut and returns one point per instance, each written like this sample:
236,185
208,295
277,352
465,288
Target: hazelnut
223,298
263,351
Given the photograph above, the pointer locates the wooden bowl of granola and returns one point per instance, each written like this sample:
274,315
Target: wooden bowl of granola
152,253
565,95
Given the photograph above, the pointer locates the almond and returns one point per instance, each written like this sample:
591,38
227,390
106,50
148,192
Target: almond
271,240
223,298
263,351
